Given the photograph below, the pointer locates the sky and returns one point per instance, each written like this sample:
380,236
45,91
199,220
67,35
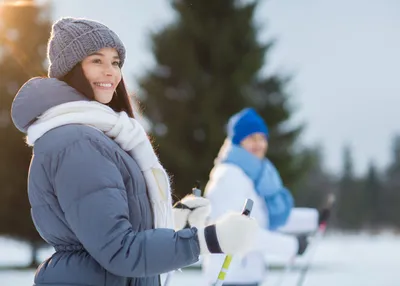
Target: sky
343,55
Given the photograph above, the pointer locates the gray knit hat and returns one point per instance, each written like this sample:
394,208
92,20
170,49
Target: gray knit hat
73,39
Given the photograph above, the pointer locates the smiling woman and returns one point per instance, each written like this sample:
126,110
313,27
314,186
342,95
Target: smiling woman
102,70
98,192
98,77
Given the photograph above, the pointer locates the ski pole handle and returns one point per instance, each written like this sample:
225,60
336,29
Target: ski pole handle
197,193
196,190
248,206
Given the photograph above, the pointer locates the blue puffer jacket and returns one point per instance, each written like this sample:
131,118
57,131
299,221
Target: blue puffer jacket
89,201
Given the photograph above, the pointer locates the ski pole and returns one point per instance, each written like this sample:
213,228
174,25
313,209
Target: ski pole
316,237
197,193
196,190
290,265
225,266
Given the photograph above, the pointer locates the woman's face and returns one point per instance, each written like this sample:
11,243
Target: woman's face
102,70
256,144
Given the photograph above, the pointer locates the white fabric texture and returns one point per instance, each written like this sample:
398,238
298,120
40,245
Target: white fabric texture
130,136
196,217
235,234
301,221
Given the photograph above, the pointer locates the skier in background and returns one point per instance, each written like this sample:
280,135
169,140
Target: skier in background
242,171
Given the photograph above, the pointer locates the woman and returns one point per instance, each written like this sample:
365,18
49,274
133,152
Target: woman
98,193
242,171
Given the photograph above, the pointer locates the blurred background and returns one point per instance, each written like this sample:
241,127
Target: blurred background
321,73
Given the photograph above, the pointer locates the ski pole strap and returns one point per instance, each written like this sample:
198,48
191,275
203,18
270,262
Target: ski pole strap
210,234
179,205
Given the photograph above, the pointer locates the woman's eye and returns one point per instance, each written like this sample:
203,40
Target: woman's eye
96,61
117,63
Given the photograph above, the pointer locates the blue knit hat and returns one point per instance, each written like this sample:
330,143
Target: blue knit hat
245,123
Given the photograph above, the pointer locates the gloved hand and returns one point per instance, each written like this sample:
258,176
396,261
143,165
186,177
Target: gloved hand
303,243
233,234
191,211
324,215
325,212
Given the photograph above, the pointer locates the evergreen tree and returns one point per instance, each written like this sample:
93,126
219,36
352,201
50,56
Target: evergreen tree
349,212
313,189
207,68
373,197
391,201
24,31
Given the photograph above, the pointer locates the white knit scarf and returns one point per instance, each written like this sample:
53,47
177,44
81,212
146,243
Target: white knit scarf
130,136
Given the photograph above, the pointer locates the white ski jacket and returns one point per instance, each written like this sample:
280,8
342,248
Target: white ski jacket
227,190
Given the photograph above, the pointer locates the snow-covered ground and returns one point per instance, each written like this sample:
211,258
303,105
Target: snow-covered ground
340,260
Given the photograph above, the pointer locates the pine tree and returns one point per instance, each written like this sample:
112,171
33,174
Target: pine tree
373,197
391,200
349,210
24,31
313,189
208,68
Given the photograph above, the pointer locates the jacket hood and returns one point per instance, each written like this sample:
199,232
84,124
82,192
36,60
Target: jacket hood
38,95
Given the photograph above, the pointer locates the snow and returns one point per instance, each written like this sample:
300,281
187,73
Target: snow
345,260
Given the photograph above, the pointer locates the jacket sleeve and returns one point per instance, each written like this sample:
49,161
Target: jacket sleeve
92,194
227,191
301,221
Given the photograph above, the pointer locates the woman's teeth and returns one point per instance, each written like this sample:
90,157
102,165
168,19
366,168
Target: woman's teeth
103,84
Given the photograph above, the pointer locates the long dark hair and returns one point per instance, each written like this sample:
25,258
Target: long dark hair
120,101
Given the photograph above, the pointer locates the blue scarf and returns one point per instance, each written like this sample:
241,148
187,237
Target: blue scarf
267,183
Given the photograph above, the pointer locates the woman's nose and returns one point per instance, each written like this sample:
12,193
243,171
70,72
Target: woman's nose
108,70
